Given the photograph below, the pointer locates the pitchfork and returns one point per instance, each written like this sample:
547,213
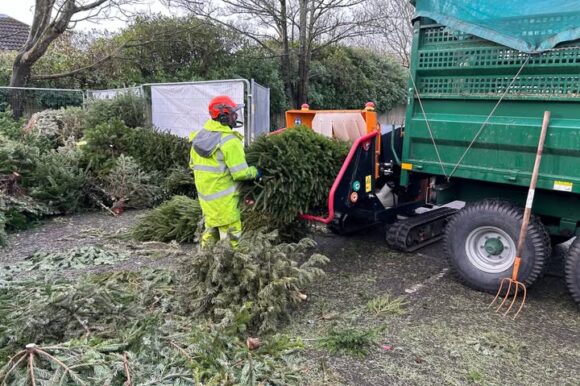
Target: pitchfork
513,281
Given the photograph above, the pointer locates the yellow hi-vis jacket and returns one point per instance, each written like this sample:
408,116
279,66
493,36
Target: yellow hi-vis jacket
218,161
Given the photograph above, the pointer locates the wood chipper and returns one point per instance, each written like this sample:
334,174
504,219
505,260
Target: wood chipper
482,74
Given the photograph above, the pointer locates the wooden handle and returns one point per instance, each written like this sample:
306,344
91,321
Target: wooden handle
533,183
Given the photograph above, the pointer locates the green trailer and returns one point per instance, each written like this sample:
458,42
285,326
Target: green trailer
483,72
482,75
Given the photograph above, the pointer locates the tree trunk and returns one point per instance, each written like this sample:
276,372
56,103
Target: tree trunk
285,60
302,94
305,75
20,75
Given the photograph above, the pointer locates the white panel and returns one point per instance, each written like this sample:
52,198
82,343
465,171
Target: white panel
182,108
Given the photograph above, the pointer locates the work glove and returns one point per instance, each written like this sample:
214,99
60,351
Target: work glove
259,175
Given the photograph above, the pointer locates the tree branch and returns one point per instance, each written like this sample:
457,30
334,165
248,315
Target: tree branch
81,69
89,6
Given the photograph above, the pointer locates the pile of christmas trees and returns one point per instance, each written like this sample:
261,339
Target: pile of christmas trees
208,322
298,166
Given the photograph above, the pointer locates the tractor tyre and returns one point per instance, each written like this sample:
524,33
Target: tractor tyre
572,270
480,243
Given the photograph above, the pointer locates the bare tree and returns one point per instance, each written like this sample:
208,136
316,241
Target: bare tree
52,18
287,29
393,27
326,22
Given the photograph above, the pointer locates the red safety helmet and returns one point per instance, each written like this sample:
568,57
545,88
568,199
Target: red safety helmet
222,105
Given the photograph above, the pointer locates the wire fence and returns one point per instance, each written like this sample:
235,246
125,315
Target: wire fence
112,93
260,108
25,101
178,107
175,107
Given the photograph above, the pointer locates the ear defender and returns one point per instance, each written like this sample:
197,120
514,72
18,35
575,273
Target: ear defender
224,119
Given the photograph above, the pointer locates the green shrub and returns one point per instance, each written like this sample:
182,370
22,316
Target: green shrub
346,77
299,168
260,272
158,150
129,108
176,219
19,151
16,156
10,128
105,142
126,182
179,182
58,180
153,149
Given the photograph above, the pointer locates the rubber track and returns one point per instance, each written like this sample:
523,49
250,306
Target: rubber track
399,231
571,270
536,233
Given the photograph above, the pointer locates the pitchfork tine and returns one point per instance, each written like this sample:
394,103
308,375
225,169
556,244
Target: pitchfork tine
507,294
517,284
523,302
498,293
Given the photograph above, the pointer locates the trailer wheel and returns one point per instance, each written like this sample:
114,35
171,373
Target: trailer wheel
572,270
480,243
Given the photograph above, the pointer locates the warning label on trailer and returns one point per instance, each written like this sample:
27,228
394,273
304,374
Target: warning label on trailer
563,186
368,184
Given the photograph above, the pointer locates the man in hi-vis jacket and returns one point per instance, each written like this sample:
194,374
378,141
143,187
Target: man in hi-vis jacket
218,162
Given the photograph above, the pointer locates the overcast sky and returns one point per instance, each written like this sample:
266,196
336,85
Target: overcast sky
23,10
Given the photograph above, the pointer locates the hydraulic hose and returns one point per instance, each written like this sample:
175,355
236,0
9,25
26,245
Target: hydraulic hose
397,159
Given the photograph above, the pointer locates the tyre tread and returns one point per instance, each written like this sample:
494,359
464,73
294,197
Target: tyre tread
570,270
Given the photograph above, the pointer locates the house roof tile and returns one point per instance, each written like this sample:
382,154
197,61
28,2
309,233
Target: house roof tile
13,33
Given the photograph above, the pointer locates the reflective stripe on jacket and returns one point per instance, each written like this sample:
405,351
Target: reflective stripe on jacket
218,161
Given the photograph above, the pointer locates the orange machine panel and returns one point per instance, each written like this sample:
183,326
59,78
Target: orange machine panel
369,123
305,117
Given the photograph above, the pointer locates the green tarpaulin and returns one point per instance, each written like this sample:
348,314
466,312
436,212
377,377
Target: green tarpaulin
525,25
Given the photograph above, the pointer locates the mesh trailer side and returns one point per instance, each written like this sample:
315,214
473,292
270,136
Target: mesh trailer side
460,79
455,64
